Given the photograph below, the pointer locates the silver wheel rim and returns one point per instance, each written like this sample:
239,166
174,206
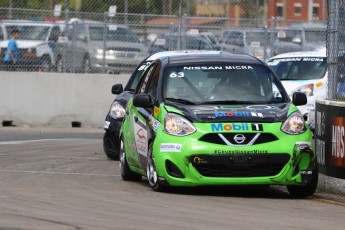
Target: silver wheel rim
122,157
151,171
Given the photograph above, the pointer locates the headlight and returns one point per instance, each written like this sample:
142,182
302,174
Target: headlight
177,125
294,124
116,110
307,89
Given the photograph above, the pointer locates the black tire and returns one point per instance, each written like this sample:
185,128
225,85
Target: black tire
111,146
151,173
305,190
126,173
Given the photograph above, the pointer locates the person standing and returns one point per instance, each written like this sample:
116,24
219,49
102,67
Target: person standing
12,53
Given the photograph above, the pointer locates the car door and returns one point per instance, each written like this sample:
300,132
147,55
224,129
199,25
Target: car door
140,131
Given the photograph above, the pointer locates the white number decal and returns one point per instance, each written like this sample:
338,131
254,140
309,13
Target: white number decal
179,74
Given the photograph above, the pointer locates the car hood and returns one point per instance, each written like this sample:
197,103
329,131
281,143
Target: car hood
23,43
228,113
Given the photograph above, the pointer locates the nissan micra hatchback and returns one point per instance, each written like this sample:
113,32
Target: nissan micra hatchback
216,119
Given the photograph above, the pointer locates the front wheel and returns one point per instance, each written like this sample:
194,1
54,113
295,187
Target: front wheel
126,173
152,175
305,190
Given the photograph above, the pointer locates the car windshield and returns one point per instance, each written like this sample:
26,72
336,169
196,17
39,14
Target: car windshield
114,33
30,32
222,84
316,36
186,42
299,68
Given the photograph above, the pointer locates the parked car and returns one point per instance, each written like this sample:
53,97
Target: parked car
113,120
304,37
254,42
93,46
168,42
216,119
37,43
304,72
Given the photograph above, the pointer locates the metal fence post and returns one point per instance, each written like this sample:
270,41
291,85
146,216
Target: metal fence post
104,41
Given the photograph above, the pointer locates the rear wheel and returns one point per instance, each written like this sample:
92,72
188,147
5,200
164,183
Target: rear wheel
126,173
305,190
111,145
152,175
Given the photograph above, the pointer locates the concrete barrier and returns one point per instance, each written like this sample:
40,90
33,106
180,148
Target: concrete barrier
52,99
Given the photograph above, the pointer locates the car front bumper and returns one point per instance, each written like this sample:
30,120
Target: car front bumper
187,161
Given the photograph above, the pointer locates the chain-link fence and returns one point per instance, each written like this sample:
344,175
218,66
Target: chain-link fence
93,36
336,50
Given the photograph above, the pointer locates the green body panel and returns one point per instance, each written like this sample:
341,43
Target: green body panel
191,145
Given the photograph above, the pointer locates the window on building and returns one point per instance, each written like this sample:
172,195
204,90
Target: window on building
316,11
298,9
279,10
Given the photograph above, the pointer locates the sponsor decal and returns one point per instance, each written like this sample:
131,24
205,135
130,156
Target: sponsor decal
154,123
140,136
217,67
319,84
156,111
230,127
257,127
227,151
338,140
237,114
170,147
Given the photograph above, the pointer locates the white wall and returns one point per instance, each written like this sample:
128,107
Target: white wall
52,99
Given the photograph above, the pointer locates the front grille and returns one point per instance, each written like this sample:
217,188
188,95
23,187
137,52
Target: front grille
239,165
250,138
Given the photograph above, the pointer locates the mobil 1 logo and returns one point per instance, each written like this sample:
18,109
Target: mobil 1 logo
257,127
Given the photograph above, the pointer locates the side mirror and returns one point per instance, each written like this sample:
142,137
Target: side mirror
117,89
299,98
143,100
82,37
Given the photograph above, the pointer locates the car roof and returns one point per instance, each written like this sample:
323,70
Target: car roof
180,53
208,58
300,54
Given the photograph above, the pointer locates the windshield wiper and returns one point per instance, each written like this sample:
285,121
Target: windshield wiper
228,102
180,100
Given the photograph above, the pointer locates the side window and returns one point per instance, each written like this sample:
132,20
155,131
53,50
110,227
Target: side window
145,80
54,35
153,84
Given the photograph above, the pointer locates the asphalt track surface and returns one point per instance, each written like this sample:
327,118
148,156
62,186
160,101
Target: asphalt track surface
61,179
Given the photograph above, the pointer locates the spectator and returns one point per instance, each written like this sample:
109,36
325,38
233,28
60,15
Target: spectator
12,53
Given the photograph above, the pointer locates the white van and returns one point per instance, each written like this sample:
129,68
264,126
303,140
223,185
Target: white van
303,72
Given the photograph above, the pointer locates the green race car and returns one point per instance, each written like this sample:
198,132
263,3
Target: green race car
216,119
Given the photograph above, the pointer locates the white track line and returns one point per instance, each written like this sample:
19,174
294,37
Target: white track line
38,140
60,173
